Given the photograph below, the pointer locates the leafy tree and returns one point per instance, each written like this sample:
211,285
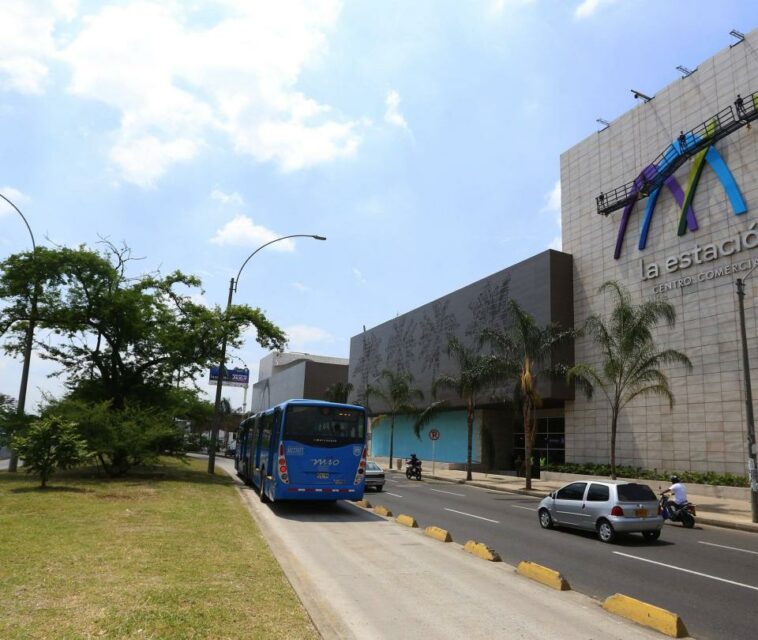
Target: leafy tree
525,350
338,392
50,443
120,440
119,337
476,373
397,394
7,414
631,361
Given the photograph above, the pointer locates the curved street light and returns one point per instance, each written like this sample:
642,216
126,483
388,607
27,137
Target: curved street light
219,383
13,463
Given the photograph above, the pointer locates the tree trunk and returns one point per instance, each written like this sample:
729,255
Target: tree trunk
614,420
470,421
527,444
392,441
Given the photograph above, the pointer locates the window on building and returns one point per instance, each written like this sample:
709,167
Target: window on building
549,441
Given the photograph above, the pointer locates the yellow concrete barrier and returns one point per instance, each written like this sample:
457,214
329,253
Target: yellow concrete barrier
383,511
408,521
438,534
543,575
646,614
363,503
481,550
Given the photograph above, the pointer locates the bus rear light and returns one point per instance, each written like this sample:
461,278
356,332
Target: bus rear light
361,468
283,465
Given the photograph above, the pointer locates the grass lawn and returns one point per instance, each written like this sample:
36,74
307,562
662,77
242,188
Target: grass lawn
165,552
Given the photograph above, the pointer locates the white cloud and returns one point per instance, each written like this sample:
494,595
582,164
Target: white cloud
233,199
300,335
392,115
241,231
175,84
359,276
588,8
27,44
300,287
499,6
15,196
553,202
556,243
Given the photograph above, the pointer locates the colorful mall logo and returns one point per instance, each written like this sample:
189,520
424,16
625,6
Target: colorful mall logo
683,198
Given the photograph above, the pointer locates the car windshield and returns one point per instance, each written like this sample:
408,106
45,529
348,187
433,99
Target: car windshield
635,493
372,466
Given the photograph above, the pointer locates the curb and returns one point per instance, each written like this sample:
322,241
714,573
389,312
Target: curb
646,614
482,551
383,511
363,503
408,521
443,535
543,575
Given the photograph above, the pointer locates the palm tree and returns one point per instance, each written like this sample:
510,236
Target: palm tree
476,374
525,350
338,392
397,394
632,363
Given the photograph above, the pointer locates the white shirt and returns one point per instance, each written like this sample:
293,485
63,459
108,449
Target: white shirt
680,492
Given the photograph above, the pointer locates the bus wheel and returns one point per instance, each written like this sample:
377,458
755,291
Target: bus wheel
263,485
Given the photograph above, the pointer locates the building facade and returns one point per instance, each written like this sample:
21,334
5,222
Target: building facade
689,148
416,343
284,376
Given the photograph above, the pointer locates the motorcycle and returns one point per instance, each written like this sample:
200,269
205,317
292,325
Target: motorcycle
684,514
413,468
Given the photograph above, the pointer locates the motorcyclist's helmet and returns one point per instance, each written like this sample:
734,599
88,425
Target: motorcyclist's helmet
674,479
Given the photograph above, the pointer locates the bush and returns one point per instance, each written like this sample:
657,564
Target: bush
48,444
694,477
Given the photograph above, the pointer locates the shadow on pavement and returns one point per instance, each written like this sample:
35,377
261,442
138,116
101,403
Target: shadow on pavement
339,511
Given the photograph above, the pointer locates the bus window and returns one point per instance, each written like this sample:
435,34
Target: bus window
321,425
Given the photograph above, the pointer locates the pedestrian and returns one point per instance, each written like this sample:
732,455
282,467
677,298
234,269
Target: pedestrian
682,141
739,104
519,464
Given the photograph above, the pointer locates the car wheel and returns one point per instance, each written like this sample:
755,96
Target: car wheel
379,488
605,531
651,536
546,522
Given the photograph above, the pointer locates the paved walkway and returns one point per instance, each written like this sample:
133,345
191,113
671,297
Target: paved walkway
720,512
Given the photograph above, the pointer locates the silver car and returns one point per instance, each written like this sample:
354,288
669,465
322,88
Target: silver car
374,476
607,507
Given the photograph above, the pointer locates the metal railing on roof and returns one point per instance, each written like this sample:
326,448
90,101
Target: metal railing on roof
678,152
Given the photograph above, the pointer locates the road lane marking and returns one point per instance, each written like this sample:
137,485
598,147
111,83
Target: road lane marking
471,515
723,546
450,493
518,506
696,573
392,494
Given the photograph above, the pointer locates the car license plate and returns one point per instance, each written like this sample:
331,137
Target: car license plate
322,476
640,513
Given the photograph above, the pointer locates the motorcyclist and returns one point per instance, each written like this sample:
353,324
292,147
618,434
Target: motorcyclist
679,492
414,461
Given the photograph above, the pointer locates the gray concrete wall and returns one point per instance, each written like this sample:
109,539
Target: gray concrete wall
416,342
705,430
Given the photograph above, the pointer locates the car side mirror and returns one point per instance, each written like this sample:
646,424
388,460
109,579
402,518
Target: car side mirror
552,495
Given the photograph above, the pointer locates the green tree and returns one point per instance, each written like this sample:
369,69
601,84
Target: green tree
338,392
476,373
48,444
526,352
7,415
631,361
397,395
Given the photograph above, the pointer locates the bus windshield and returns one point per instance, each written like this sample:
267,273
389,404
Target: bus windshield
320,425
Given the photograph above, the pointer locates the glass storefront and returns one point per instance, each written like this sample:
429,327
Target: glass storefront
549,441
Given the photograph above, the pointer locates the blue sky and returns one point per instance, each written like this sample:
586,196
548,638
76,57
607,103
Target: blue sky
421,137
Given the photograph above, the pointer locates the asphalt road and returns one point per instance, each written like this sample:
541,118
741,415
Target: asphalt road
708,575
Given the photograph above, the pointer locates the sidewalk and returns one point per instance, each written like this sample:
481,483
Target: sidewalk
719,512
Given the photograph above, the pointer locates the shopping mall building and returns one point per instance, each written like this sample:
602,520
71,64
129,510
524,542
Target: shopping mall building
665,201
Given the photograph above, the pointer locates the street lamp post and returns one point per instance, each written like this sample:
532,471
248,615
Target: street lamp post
751,453
219,383
13,462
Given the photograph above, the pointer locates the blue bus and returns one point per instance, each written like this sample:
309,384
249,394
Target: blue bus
304,450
